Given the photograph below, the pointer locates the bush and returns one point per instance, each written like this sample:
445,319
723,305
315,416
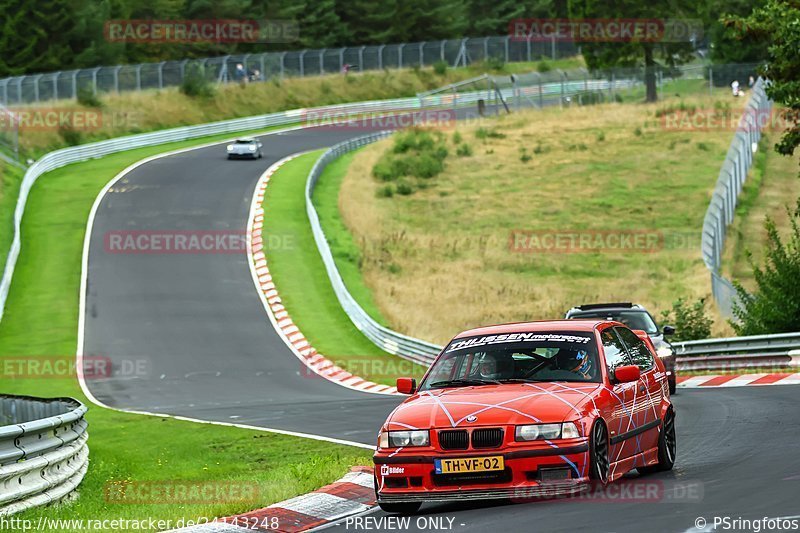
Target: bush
689,319
495,63
774,307
456,138
404,188
464,150
387,191
703,146
425,166
543,66
196,84
524,156
86,97
483,134
601,136
440,67
637,131
416,153
70,135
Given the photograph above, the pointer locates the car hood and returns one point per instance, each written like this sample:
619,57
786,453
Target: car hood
494,405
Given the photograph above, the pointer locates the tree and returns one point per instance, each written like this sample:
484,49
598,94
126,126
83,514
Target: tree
775,306
777,23
633,53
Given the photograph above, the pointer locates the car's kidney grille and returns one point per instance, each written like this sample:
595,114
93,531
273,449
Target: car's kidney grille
487,438
457,439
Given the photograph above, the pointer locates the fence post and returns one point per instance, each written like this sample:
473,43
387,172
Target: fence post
322,61
528,47
441,49
302,63
506,45
553,47
421,54
361,58
263,67
563,77
5,90
283,66
380,56
400,56
74,84
116,78
94,80
341,59
183,69
485,48
139,77
161,75
36,86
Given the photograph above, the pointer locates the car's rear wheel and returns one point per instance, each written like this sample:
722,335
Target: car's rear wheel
667,447
405,508
598,453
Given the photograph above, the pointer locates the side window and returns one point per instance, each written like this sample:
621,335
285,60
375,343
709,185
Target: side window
640,354
614,350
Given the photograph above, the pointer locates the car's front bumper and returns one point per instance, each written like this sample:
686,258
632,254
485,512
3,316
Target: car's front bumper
243,155
535,470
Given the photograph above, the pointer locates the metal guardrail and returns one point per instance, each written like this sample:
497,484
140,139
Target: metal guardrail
43,451
120,78
731,178
388,340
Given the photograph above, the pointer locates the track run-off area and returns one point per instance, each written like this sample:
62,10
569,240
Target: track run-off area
198,323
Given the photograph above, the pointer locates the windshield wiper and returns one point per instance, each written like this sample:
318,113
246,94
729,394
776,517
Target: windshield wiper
463,382
522,380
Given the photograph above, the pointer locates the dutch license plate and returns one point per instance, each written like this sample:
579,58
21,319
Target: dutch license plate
466,465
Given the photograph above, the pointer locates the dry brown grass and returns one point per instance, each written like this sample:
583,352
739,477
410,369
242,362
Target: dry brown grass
439,261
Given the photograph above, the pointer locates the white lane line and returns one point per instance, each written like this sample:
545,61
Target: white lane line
82,311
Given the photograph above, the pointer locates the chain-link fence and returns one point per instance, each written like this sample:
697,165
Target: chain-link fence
260,67
757,115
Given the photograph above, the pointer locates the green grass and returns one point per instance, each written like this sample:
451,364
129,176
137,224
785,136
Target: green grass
42,320
303,283
10,181
345,251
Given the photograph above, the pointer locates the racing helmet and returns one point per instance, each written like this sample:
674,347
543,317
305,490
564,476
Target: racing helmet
496,366
576,361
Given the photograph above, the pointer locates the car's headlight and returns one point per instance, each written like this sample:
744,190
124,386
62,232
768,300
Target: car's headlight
664,352
230,148
252,148
567,430
402,439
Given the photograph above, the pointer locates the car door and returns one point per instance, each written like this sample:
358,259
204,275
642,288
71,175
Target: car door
622,394
648,391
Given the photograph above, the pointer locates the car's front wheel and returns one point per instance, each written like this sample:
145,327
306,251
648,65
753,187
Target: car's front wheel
673,385
667,447
598,453
404,508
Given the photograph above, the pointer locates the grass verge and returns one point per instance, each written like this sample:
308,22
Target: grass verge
303,283
42,320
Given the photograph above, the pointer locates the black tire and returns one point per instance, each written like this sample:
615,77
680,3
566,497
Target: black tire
673,385
667,447
405,508
599,463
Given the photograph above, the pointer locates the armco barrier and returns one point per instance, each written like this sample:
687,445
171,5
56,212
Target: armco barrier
43,451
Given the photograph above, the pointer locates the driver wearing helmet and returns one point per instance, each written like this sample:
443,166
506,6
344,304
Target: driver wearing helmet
496,366
575,361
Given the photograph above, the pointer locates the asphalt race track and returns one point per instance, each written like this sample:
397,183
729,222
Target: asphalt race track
211,353
195,322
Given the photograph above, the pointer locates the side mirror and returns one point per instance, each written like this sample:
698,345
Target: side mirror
668,330
627,373
409,385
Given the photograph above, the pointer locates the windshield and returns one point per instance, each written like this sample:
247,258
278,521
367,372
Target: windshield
631,318
516,357
242,141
